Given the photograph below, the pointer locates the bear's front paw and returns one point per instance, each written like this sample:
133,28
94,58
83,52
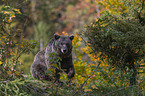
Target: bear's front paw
70,73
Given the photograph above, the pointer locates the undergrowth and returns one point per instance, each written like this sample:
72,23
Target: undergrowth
28,86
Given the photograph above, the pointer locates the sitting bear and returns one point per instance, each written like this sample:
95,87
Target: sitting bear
61,46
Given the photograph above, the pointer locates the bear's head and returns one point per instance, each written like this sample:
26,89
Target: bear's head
63,44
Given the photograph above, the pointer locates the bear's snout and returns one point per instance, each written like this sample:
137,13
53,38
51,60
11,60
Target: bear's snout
64,49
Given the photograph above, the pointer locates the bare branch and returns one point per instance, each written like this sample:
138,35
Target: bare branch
4,81
87,79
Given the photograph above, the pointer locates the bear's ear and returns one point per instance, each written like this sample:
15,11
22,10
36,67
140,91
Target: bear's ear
56,36
71,37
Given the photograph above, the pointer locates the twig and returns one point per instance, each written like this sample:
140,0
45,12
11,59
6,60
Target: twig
85,42
3,92
35,89
87,79
142,6
4,81
118,90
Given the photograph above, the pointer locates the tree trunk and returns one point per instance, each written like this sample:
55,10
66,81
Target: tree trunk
33,4
41,44
134,75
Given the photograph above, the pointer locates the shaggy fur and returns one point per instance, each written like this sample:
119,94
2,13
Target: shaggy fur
61,45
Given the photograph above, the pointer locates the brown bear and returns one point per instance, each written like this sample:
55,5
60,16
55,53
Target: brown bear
61,46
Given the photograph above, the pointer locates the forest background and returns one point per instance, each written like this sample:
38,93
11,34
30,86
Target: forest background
108,48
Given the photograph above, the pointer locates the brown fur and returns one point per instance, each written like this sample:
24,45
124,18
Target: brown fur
61,45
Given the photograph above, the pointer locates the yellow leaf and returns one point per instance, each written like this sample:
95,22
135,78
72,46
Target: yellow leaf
1,62
9,72
22,46
85,25
18,11
7,12
3,43
94,87
3,37
86,90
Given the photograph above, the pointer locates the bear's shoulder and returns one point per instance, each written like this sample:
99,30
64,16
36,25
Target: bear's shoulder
51,42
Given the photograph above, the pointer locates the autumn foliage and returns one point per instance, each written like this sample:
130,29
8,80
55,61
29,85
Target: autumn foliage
11,46
107,53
